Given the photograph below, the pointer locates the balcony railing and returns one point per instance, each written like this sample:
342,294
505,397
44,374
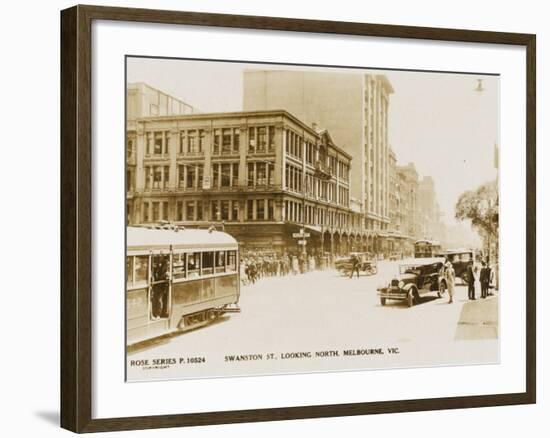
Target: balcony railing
322,170
191,154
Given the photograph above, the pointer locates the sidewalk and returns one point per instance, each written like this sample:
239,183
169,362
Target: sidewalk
478,319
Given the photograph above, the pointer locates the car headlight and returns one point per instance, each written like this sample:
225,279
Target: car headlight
401,284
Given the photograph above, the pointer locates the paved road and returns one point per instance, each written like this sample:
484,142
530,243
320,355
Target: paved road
322,307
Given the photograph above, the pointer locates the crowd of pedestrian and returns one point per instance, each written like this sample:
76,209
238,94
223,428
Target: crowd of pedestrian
255,266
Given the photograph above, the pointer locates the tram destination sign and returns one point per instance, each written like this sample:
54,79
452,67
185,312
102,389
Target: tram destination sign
301,235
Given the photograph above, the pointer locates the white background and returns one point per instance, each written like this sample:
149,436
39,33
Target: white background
112,397
30,219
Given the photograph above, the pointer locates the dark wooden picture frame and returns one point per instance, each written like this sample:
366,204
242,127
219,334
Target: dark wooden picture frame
76,217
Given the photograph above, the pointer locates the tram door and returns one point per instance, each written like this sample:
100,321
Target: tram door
160,286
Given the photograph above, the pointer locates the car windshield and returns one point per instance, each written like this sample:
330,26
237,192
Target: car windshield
409,269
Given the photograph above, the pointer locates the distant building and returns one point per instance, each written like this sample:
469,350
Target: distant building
354,108
408,195
397,239
265,174
142,100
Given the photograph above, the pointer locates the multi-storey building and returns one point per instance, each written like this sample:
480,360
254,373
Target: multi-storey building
353,107
142,100
265,174
396,235
408,201
429,212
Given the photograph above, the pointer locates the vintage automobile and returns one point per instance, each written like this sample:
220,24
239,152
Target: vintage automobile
417,277
367,263
460,258
424,248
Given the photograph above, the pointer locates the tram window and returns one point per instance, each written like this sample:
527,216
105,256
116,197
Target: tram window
465,257
207,262
193,264
220,261
129,270
231,260
140,268
160,267
178,266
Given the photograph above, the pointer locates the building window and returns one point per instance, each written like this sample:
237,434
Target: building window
179,211
156,212
183,142
145,212
129,148
260,209
149,143
235,210
181,175
199,211
157,177
262,139
225,175
166,176
225,210
271,138
235,181
270,210
200,171
147,177
236,139
165,211
201,141
250,176
157,146
271,174
217,140
191,171
192,144
215,211
215,174
250,209
190,210
261,177
226,141
251,139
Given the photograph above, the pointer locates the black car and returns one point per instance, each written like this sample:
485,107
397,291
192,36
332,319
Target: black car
460,258
416,278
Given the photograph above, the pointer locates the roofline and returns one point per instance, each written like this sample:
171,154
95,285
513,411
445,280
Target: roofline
231,114
130,84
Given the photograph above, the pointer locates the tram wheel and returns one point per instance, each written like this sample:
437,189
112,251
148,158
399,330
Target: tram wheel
383,301
211,315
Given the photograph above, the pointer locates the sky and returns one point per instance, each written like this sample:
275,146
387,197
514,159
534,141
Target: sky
436,120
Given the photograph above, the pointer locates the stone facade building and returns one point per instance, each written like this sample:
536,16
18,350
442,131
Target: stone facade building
354,108
264,174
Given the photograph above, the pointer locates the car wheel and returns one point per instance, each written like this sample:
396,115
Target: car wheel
410,298
383,301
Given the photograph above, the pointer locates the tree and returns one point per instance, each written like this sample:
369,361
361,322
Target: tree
480,206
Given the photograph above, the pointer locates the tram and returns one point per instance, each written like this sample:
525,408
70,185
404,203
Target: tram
424,248
178,279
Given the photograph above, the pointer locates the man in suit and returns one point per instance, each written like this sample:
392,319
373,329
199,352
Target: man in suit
354,265
471,281
484,279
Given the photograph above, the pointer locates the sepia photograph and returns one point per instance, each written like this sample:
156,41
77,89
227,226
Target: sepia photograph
285,218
